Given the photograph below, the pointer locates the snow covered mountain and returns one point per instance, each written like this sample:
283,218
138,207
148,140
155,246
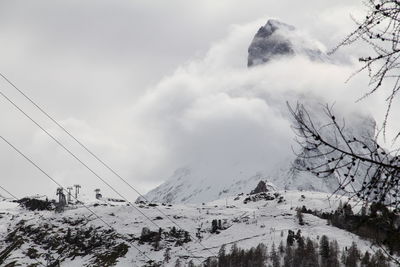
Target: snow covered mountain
195,184
190,186
77,237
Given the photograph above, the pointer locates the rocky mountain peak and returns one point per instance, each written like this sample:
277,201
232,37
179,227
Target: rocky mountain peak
276,38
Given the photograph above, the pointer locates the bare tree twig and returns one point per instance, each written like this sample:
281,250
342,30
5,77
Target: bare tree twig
361,166
380,30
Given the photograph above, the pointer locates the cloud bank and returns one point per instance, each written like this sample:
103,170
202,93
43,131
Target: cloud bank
218,117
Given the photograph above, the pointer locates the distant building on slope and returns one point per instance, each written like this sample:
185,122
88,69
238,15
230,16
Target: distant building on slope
98,195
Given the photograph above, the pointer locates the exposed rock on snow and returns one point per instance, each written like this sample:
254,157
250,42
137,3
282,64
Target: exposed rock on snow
261,188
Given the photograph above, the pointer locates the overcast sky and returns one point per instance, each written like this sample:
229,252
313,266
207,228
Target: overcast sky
144,85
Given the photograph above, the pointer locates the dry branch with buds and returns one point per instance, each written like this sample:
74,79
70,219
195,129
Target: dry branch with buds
380,30
361,166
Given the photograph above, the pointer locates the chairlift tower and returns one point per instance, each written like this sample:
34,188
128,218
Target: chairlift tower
69,193
77,187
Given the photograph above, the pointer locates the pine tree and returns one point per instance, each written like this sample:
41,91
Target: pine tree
343,256
353,255
290,238
214,226
173,231
275,257
288,260
222,261
156,243
210,262
235,255
364,211
250,257
186,237
299,251
260,255
324,250
310,255
144,235
281,248
379,260
365,259
347,210
333,254
298,234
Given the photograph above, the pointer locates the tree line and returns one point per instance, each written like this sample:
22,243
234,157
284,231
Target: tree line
376,222
298,251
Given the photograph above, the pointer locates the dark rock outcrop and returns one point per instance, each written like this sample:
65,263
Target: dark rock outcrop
260,188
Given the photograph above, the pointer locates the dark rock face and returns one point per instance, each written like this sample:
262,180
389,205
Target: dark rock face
278,39
263,46
260,188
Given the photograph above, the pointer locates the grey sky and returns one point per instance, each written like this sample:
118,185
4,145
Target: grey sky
106,68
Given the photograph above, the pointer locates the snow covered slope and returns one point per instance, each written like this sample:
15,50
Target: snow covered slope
199,182
79,238
188,185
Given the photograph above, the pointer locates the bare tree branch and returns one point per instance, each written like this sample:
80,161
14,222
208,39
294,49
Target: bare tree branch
380,30
362,167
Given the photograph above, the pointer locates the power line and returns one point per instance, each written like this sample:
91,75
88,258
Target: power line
94,155
87,167
57,183
8,192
